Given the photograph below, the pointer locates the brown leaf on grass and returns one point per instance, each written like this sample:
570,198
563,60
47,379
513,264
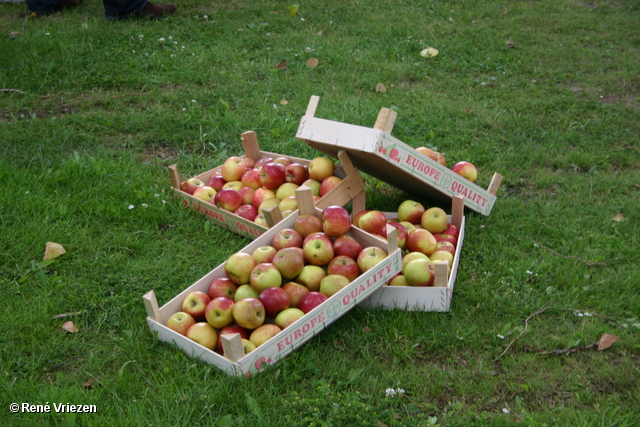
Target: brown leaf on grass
366,329
618,217
282,65
312,62
380,423
53,250
381,88
606,341
70,327
510,44
14,34
283,101
88,384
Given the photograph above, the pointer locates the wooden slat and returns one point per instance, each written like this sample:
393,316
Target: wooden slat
496,180
313,105
304,196
174,175
457,210
250,145
151,304
441,280
385,121
344,192
272,215
232,346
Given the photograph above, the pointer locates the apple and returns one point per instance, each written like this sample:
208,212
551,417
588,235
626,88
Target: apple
288,316
295,292
335,221
452,230
204,334
318,249
332,283
313,185
311,300
195,304
219,312
442,256
295,173
328,184
205,193
233,168
216,182
228,199
446,247
234,328
421,240
222,287
249,313
272,175
420,272
262,194
287,189
398,280
248,212
287,238
249,162
247,195
284,161
311,276
308,224
233,185
369,257
269,203
466,170
190,185
289,203
264,276
345,266
274,300
247,346
401,234
434,220
321,168
356,218
441,159
245,291
410,211
374,222
251,179
264,254
238,267
409,226
446,238
261,162
264,333
289,262
180,322
261,220
347,245
412,256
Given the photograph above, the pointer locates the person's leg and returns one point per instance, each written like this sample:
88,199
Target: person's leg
123,9
45,7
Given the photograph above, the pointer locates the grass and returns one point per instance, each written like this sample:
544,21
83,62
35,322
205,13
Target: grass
544,92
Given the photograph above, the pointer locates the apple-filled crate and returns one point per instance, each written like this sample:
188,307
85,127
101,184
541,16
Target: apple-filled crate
237,359
348,188
377,153
436,297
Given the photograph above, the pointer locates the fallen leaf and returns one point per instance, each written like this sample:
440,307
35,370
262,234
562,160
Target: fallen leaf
283,102
312,62
293,9
70,327
282,65
381,88
88,384
366,329
429,52
510,44
618,217
606,341
14,34
53,250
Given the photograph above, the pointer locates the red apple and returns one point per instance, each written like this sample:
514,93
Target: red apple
222,287
452,230
321,168
441,159
180,322
247,195
445,246
421,240
233,185
287,238
228,199
410,211
401,233
284,161
205,193
233,168
264,333
288,316
219,312
289,262
369,257
420,272
329,184
265,276
238,267
295,173
249,162
216,182
347,245
318,249
262,194
190,185
249,313
195,304
311,300
434,220
204,334
272,175
261,162
234,328
446,238
311,276
374,222
335,221
345,266
308,224
264,254
295,292
466,170
251,179
248,212
274,300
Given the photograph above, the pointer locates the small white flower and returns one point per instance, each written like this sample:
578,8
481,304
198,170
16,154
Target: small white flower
390,392
450,19
133,51
183,109
173,55
164,201
400,391
483,83
141,36
309,49
275,107
175,42
161,40
131,207
501,336
194,101
205,16
529,272
26,192
144,205
157,195
46,34
505,410
170,37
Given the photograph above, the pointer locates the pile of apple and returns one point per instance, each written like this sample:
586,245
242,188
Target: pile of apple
424,235
464,169
266,291
246,186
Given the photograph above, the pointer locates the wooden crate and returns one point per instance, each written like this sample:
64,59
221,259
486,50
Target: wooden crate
351,189
236,363
432,298
377,153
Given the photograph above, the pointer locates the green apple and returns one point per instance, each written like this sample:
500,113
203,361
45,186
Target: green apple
204,334
245,291
288,316
311,276
264,333
434,220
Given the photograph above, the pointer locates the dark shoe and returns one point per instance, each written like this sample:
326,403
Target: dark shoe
153,11
70,4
